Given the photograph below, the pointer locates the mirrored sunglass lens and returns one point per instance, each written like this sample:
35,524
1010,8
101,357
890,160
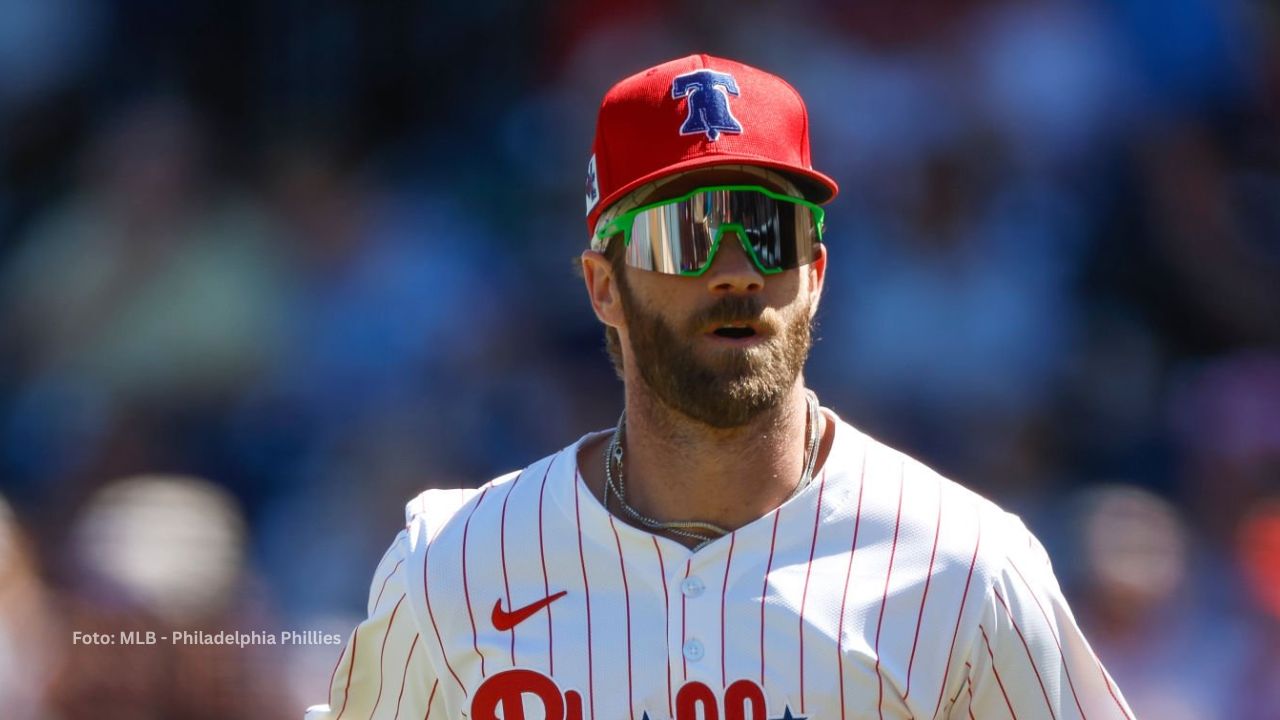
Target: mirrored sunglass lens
783,234
759,217
670,239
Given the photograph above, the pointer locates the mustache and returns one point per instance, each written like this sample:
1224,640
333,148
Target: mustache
730,309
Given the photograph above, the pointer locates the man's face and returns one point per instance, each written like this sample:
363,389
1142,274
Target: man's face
689,340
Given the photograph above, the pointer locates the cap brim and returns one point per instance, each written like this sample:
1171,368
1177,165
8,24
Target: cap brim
815,186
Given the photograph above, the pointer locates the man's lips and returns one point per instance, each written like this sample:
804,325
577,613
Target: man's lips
734,328
736,333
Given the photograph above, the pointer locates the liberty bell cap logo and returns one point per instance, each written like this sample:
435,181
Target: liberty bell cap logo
707,94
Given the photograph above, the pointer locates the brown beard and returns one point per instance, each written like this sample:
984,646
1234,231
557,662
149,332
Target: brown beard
741,385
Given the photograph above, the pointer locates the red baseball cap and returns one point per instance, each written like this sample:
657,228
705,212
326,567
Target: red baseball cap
696,112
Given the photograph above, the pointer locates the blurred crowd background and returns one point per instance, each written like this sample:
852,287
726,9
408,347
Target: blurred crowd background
270,268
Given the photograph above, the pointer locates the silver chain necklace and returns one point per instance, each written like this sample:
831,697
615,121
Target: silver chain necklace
703,532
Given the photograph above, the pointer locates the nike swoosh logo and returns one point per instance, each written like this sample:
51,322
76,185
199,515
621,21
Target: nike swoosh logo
506,620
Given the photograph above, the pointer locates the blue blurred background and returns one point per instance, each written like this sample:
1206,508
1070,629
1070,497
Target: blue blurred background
269,269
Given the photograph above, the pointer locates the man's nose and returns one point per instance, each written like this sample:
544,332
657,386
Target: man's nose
732,269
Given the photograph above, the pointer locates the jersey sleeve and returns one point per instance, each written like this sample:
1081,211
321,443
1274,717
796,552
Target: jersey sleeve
1028,658
383,672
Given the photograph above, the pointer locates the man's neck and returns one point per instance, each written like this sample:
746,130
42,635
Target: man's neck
676,468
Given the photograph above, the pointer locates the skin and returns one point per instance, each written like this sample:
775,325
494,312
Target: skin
677,466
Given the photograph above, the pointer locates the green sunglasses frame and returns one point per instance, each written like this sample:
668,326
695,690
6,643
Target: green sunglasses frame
623,224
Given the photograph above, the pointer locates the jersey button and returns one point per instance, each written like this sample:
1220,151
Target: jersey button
693,650
692,587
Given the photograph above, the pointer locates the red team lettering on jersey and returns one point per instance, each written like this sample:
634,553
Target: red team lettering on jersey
881,591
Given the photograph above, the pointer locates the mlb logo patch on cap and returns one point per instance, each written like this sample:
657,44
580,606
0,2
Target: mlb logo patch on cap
695,112
593,185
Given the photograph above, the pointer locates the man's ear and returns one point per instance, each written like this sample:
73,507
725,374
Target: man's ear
817,273
602,288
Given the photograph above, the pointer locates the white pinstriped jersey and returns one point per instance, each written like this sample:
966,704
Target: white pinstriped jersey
881,591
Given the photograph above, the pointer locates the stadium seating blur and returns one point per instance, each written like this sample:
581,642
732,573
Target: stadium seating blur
268,269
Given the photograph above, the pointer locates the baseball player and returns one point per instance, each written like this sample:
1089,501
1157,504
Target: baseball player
730,550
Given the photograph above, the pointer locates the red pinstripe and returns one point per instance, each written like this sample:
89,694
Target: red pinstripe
1106,680
466,592
431,699
383,559
893,550
956,697
804,594
724,589
626,596
853,547
1052,631
389,551
1030,659
426,594
1112,691
764,589
405,675
546,585
586,589
502,549
937,530
684,661
346,691
995,671
334,675
968,681
384,582
959,613
666,610
382,655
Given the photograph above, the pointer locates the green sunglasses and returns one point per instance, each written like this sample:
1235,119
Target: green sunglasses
680,236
